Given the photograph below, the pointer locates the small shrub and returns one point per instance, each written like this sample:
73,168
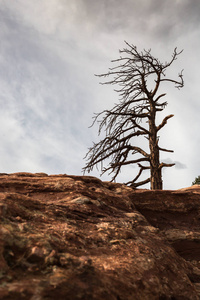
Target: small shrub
196,181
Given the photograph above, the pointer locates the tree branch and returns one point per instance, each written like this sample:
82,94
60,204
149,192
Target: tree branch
164,122
142,168
163,165
162,149
129,162
134,185
178,84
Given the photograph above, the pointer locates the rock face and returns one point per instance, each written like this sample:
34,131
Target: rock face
76,237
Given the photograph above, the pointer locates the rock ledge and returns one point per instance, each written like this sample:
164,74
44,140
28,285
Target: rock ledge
76,237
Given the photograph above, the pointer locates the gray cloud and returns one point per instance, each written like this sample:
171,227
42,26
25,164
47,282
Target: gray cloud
180,165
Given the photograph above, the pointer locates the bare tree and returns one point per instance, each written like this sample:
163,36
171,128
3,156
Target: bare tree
134,116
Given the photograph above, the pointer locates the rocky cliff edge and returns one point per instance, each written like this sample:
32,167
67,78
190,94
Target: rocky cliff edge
76,237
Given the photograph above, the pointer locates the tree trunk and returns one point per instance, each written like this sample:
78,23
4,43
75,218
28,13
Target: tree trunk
156,175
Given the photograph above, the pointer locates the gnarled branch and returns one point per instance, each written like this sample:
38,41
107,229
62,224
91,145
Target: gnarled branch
164,122
163,165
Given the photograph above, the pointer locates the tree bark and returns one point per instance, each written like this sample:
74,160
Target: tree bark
156,172
156,175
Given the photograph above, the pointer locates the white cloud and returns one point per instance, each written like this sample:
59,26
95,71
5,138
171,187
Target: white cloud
49,53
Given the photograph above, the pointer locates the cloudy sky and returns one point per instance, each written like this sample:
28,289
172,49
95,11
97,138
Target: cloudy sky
49,53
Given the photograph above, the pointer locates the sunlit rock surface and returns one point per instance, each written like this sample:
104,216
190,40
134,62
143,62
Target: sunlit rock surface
76,237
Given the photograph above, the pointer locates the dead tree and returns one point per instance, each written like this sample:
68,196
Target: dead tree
134,116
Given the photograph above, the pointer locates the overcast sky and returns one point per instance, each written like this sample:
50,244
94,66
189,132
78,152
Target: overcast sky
49,53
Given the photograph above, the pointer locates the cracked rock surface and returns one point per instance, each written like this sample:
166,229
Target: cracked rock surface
76,237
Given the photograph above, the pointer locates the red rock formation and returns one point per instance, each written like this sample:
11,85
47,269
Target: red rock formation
74,237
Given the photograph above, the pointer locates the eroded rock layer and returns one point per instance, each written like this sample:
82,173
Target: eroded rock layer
76,237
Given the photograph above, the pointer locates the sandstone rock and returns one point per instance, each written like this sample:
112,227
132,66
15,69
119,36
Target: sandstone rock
74,237
81,200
